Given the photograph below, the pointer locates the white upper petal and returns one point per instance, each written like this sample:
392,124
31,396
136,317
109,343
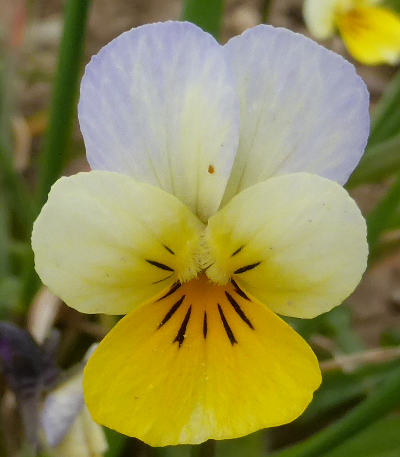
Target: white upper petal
303,108
159,103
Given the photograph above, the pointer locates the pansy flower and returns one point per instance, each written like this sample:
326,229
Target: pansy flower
370,31
214,203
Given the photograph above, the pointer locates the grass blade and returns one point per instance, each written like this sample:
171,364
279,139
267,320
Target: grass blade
386,119
381,439
378,162
53,155
380,217
16,194
381,402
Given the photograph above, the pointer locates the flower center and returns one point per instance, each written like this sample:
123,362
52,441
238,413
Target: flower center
200,308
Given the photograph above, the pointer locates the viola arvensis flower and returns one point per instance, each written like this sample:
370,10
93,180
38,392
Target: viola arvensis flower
370,31
211,208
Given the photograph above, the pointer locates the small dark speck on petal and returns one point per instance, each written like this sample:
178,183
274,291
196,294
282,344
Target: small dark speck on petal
211,169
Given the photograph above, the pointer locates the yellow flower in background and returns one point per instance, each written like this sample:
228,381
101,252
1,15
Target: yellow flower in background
212,206
370,31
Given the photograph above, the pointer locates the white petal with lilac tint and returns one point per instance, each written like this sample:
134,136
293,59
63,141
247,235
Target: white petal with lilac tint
159,103
106,243
319,16
296,243
303,108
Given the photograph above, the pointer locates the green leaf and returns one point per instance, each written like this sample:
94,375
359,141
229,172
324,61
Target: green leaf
384,248
379,218
379,161
253,445
381,439
379,403
206,449
207,14
390,337
16,194
116,443
337,325
394,4
386,119
4,237
173,451
382,156
340,389
10,289
394,222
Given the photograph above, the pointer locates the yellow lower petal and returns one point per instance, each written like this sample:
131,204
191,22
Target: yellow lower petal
201,362
371,34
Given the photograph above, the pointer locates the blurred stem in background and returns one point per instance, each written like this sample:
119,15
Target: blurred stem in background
265,10
52,157
16,197
16,194
207,14
4,231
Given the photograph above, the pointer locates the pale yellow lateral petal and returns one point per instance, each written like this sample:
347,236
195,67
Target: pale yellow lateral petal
204,362
105,243
371,34
295,242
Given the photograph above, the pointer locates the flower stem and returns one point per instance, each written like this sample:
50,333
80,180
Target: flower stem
207,14
378,404
265,10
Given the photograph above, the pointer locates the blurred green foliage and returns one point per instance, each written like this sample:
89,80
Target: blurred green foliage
207,14
382,439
